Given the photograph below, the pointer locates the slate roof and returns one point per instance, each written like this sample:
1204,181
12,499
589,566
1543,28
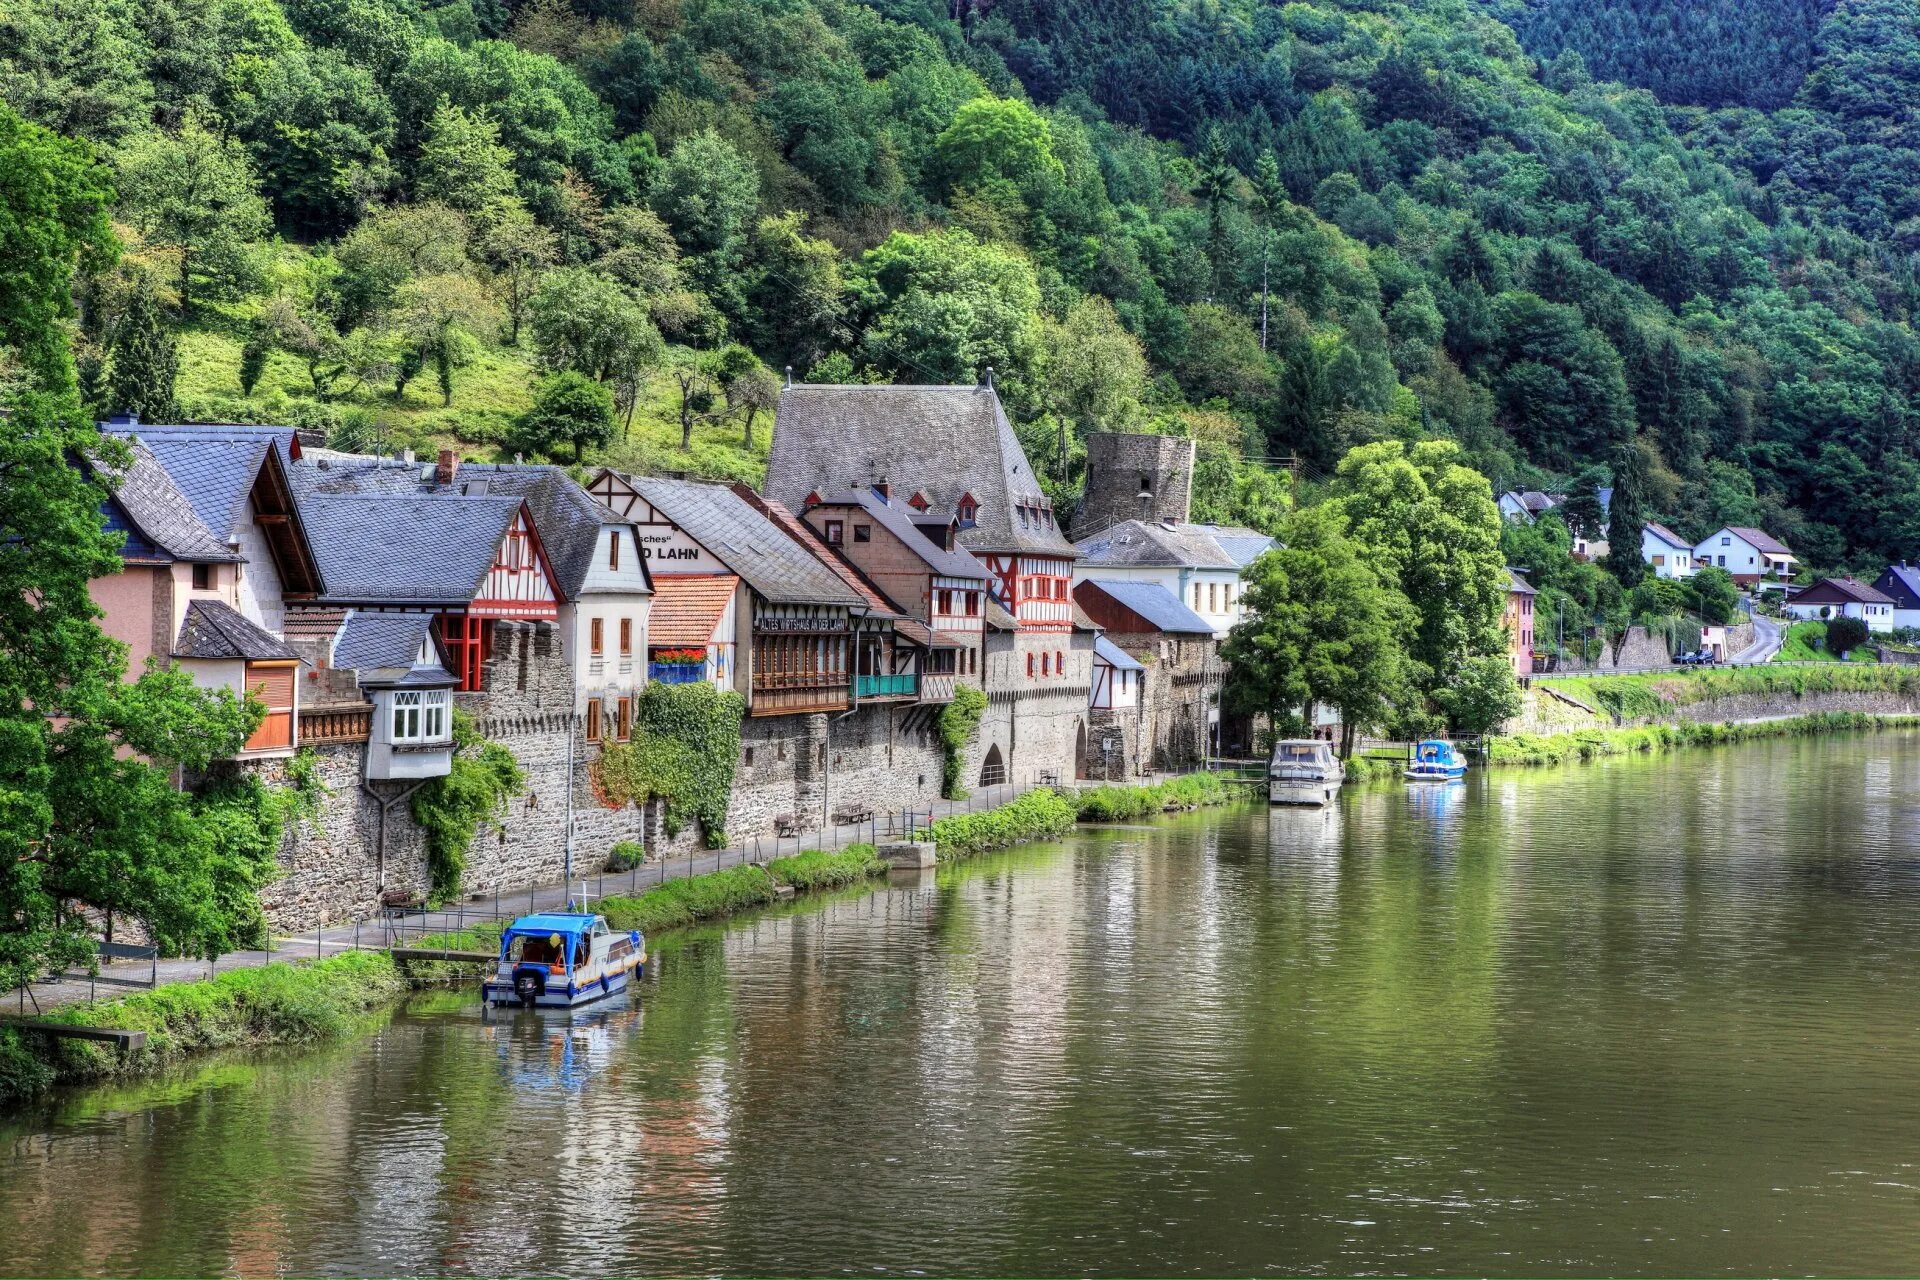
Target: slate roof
1114,656
382,648
1842,591
1668,536
686,610
420,550
1758,540
215,629
1901,582
160,513
1517,585
998,619
877,604
566,516
1188,546
897,518
945,441
748,543
214,466
1155,603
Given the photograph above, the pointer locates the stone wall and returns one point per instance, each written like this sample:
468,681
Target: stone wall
335,866
1543,714
1118,465
1033,725
1113,744
1182,680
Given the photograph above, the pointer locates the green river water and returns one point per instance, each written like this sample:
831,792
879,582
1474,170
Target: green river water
1648,1016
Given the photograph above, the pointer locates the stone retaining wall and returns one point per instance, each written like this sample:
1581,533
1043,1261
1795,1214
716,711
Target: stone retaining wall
1542,715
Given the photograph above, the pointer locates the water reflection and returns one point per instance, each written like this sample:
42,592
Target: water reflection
1646,1016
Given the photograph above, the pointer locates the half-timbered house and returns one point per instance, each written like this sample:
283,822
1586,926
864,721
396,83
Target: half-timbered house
952,454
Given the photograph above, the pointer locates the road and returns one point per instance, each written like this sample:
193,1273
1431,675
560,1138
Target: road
1766,643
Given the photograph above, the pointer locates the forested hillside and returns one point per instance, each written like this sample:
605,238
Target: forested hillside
593,229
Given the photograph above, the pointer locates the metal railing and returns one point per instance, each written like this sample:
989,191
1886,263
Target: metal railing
886,686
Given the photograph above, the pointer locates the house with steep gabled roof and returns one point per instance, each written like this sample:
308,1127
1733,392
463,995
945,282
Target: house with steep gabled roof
1666,553
1199,564
1901,584
214,547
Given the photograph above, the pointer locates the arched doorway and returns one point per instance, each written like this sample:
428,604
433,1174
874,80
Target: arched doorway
1080,749
993,770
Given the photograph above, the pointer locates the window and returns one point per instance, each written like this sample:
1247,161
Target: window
1060,662
1196,595
1726,542
1045,668
968,511
596,639
626,637
973,603
943,602
613,551
1029,666
1213,597
622,718
835,532
203,577
863,533
593,719
420,715
748,760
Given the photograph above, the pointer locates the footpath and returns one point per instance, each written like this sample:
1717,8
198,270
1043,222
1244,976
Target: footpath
401,928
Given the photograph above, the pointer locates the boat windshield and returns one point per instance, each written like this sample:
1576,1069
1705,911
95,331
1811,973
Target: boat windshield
1297,752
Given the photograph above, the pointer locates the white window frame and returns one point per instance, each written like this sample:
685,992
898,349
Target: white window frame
420,716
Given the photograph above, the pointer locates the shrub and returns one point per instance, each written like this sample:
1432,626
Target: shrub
1038,815
959,721
1844,635
1589,744
625,856
820,869
1119,803
684,749
451,809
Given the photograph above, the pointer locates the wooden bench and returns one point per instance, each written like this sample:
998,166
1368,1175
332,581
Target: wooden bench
786,824
399,902
853,815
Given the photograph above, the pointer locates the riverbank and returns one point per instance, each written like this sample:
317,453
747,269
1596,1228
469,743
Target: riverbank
1588,744
310,1001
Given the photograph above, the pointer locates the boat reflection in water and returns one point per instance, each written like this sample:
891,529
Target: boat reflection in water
561,1051
1302,832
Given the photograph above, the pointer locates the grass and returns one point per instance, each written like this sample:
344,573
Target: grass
487,397
1644,697
1037,815
276,1004
1805,642
1120,803
1589,744
1373,768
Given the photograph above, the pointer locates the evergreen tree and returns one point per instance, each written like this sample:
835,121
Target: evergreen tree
146,362
1623,530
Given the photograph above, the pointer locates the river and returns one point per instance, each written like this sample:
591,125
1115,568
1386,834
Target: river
1648,1016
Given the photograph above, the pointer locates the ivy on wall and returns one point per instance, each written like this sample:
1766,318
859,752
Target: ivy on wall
684,750
453,809
959,722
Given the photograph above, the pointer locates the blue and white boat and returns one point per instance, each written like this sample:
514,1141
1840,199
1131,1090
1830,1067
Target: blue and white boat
1436,760
563,959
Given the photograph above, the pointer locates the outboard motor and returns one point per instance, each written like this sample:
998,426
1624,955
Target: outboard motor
529,984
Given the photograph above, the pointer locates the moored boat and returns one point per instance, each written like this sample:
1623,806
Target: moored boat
1303,771
561,959
1436,760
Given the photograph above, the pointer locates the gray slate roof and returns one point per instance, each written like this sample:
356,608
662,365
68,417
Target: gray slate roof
162,512
214,466
1668,536
412,549
1114,656
382,647
1759,540
943,441
1156,604
565,516
1188,546
1901,584
215,629
766,556
897,518
1517,585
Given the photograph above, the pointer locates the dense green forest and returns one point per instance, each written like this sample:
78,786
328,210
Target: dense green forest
601,229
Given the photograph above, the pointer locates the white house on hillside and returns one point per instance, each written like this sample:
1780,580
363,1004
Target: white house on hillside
1750,555
1198,564
1844,598
1666,552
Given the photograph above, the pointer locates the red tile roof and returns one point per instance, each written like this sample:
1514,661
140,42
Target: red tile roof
687,609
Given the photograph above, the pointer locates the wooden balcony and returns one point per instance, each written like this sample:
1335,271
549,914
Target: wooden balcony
786,695
887,688
937,688
320,726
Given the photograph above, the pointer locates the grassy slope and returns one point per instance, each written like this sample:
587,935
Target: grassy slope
487,395
1802,644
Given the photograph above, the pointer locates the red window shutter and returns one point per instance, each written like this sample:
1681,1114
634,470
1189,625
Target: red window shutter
273,687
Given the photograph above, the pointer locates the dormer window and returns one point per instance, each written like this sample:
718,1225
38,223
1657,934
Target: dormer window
967,510
919,501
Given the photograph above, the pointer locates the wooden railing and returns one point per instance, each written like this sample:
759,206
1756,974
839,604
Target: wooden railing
936,688
322,725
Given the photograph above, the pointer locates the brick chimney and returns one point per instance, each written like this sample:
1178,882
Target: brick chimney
448,467
883,491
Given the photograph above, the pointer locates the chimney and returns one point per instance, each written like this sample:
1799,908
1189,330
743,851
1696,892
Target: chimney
406,457
1168,522
883,491
449,467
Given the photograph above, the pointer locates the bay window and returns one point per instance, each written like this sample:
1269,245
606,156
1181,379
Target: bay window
420,715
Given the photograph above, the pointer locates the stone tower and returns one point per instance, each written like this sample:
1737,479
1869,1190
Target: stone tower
1135,477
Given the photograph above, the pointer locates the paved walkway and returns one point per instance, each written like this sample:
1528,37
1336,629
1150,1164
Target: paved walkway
1766,642
379,933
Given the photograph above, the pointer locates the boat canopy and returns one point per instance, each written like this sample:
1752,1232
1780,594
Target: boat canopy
1434,750
1301,751
549,922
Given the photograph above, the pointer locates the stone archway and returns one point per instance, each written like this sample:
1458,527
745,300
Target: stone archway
993,769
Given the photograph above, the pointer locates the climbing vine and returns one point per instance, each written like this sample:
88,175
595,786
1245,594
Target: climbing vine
684,750
453,809
959,721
